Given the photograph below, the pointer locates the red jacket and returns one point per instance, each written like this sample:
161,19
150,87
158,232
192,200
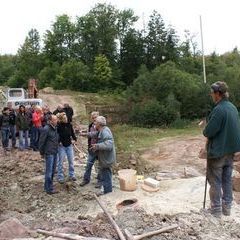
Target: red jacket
37,119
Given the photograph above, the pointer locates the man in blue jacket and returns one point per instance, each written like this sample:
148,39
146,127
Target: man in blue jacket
223,134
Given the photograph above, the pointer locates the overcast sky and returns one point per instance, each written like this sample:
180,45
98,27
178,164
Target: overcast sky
221,18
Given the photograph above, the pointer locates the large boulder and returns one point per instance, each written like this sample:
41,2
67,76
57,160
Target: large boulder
13,228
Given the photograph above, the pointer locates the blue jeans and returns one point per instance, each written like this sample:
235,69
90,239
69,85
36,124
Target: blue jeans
92,156
50,166
5,136
219,175
62,152
35,137
13,134
31,136
106,177
23,134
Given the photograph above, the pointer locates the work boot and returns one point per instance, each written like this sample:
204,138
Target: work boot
217,213
214,212
226,210
98,194
98,185
53,192
73,179
83,183
61,181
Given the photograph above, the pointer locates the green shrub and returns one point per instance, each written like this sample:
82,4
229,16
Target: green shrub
153,113
180,123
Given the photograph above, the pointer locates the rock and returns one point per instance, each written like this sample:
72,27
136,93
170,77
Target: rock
191,172
36,179
237,166
167,176
133,162
15,188
236,183
12,228
151,182
133,159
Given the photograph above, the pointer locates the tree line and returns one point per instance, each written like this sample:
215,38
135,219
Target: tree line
159,75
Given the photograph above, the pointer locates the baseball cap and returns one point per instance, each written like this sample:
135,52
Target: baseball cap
219,86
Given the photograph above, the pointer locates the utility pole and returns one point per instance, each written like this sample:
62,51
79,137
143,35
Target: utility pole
205,81
203,58
144,26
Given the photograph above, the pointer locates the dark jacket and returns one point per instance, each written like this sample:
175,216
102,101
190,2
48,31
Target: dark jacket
55,112
29,113
22,121
4,120
223,130
92,139
69,113
66,134
48,141
12,117
46,117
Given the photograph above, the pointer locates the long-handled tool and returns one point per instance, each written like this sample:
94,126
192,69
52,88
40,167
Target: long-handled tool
205,192
114,224
148,234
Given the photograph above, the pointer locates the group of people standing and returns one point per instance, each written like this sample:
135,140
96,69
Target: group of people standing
52,134
35,120
27,122
56,141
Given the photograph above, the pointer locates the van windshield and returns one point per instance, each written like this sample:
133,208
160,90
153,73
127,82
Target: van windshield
15,93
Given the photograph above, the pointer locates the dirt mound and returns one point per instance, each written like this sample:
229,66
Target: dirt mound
53,100
190,226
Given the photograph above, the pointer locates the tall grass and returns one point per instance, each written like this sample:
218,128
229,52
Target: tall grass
131,139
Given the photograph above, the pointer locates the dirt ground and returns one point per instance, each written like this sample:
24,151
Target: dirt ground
178,155
74,209
53,100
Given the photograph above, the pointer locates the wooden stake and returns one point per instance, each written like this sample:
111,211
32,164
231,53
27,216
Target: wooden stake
114,224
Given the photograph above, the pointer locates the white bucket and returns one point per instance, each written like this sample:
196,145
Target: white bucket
127,179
